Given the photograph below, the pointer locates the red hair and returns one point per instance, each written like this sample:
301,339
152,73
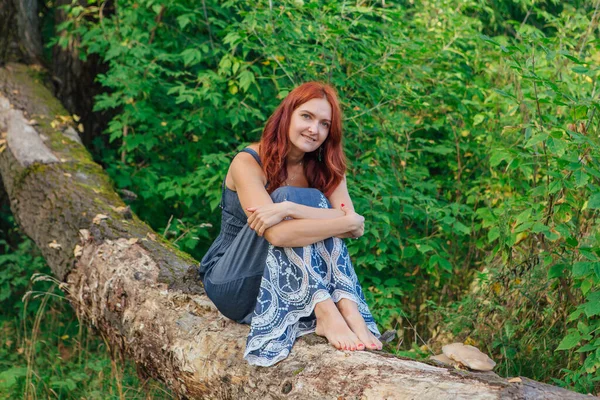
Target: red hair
324,175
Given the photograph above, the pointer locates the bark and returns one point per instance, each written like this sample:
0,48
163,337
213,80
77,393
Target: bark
142,294
7,22
28,27
20,37
74,78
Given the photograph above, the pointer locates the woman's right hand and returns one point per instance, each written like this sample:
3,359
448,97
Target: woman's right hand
356,222
264,217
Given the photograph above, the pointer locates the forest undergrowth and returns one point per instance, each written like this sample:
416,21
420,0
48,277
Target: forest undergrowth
472,131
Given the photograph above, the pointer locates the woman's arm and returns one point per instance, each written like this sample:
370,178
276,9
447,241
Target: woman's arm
271,214
248,180
302,232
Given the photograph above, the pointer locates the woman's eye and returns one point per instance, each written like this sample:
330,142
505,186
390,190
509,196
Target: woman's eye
325,124
305,116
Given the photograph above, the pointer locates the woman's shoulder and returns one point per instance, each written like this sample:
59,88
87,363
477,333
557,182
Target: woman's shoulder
254,146
247,158
244,166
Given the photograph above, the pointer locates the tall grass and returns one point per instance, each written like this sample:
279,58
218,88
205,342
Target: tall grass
45,351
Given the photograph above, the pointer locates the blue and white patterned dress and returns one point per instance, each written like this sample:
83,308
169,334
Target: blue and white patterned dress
275,289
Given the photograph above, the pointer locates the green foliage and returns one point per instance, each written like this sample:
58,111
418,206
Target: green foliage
474,157
542,205
44,351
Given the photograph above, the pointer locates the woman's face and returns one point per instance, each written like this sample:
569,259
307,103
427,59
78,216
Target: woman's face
310,124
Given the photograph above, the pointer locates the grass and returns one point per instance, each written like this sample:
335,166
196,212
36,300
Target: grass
45,351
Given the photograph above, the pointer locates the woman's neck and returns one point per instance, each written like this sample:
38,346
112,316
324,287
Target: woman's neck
295,158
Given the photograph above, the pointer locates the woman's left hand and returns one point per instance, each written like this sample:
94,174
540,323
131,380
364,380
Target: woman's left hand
266,216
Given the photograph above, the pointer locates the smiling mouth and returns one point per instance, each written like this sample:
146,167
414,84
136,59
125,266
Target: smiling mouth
308,138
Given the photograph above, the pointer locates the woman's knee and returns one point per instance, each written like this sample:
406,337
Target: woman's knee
306,196
235,299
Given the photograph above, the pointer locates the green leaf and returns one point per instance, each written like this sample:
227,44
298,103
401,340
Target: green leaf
594,201
246,79
581,178
499,156
536,139
462,228
569,341
183,20
592,306
580,69
587,347
478,119
424,248
580,112
557,146
445,264
505,94
581,268
523,216
191,56
556,271
9,377
493,234
586,286
443,150
539,227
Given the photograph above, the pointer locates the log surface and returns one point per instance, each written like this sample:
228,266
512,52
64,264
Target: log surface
143,295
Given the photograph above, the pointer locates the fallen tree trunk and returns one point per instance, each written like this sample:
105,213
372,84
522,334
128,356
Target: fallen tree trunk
142,294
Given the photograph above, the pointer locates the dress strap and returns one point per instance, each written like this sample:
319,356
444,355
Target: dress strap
253,153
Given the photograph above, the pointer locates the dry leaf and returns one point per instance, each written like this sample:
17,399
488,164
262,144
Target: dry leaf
515,380
151,236
132,240
84,234
68,175
99,218
54,245
78,250
33,122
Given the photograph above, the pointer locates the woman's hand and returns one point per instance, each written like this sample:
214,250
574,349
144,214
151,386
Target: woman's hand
266,216
356,223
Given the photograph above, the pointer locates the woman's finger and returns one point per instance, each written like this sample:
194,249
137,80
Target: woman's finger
254,223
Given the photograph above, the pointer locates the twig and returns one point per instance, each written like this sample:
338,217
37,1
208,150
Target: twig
593,25
168,226
212,44
156,22
371,109
274,58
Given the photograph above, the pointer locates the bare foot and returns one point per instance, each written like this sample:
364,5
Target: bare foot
356,322
332,325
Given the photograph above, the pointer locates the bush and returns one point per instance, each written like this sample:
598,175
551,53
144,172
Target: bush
466,150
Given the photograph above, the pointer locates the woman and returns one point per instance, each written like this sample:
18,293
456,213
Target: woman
279,263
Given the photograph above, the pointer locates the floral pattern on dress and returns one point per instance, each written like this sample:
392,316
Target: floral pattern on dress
294,281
